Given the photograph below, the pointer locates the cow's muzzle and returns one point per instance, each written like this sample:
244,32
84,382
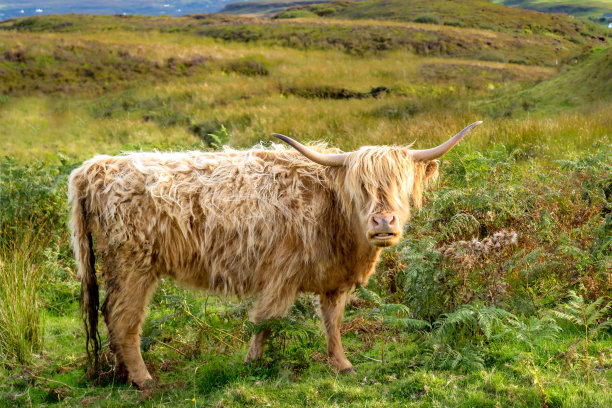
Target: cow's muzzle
383,229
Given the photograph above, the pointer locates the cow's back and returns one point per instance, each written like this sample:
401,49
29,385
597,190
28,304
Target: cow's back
232,221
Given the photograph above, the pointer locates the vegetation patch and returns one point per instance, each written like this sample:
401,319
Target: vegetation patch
82,67
330,92
250,66
556,43
586,85
464,13
476,75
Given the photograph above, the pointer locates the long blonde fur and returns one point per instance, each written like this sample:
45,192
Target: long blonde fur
260,221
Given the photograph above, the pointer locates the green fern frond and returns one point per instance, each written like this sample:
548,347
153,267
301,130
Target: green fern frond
368,295
442,356
486,318
411,324
586,315
566,316
535,330
460,225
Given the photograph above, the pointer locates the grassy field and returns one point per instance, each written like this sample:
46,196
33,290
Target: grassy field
525,325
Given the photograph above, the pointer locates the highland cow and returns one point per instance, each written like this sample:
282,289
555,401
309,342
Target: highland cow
271,222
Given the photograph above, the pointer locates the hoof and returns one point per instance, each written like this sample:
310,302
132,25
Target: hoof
146,385
350,370
254,360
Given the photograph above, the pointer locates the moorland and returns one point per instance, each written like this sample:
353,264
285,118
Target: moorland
442,322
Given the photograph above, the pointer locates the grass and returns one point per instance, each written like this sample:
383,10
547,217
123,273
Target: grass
263,8
20,302
460,13
561,42
457,328
590,82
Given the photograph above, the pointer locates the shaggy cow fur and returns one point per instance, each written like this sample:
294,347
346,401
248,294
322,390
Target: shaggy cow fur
263,221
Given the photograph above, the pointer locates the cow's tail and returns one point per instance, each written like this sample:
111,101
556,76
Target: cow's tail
82,244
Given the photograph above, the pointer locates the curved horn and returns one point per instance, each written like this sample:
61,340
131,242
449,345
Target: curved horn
334,160
435,152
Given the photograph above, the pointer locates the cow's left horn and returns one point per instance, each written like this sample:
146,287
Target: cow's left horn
334,160
439,151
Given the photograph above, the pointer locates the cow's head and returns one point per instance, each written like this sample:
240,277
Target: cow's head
379,184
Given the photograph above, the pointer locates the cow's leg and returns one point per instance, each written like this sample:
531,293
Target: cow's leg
332,310
271,304
256,348
124,311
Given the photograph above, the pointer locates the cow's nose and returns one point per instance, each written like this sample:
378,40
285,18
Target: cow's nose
383,221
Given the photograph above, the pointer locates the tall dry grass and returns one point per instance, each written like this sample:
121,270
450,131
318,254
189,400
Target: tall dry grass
20,302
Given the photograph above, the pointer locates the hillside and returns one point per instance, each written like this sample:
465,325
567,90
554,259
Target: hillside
580,87
461,13
355,36
578,8
265,8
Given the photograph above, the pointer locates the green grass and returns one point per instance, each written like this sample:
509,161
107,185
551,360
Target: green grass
587,84
539,168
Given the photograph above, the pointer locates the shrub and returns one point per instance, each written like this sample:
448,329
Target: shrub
213,135
249,66
427,19
33,194
295,13
560,216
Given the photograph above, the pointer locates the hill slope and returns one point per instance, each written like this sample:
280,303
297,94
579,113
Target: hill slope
578,8
588,83
582,87
265,8
353,36
462,13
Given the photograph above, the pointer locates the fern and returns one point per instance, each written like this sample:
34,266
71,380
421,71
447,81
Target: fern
369,295
446,357
216,140
591,318
532,332
391,314
475,318
460,225
458,340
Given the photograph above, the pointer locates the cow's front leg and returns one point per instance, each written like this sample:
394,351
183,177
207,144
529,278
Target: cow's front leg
332,310
256,347
271,303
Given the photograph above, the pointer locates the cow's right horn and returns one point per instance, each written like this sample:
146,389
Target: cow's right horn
439,151
334,160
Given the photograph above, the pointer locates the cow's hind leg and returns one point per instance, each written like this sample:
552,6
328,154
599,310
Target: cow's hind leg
271,304
332,310
124,311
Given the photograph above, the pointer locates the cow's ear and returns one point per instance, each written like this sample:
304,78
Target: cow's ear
431,169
